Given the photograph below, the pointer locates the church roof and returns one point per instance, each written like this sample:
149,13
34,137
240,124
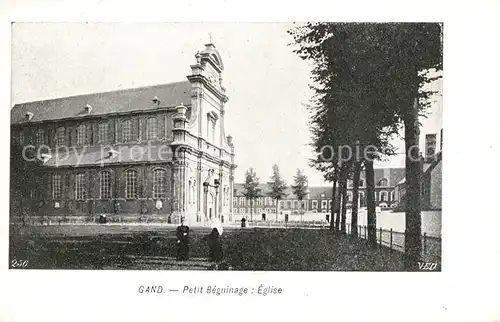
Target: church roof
120,101
94,156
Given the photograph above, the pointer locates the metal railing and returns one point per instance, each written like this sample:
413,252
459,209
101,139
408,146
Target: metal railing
431,245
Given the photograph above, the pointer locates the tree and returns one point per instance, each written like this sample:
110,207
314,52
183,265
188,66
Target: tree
378,71
277,187
300,188
355,198
251,190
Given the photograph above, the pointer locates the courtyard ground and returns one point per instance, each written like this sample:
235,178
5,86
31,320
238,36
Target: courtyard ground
146,247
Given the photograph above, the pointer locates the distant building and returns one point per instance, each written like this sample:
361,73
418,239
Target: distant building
431,178
317,204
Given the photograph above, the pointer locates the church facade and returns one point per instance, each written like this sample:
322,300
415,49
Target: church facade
154,154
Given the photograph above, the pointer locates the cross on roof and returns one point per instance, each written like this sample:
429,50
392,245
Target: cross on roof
210,37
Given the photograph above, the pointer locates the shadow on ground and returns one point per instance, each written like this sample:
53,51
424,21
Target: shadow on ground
146,248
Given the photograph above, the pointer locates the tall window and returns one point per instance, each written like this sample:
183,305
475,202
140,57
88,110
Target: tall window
60,136
349,196
392,196
56,187
296,204
81,134
40,137
323,203
127,131
289,204
235,201
80,187
104,132
159,180
21,138
315,204
361,182
383,195
242,201
152,128
105,184
131,184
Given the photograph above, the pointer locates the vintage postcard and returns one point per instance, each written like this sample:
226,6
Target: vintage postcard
157,146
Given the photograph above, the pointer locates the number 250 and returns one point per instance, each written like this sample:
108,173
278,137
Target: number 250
18,264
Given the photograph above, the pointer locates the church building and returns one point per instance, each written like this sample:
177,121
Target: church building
151,154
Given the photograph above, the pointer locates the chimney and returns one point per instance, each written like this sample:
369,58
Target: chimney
441,140
430,145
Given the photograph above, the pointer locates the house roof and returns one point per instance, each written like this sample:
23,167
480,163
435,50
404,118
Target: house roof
94,156
120,101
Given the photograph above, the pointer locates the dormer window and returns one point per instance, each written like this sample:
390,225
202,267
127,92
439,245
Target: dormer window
29,116
156,100
88,108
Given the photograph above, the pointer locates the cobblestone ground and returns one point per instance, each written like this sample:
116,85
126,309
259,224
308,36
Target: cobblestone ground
153,247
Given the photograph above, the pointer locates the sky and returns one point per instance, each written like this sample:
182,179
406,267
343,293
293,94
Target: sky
267,84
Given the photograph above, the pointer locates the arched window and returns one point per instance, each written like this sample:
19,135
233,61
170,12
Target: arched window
80,186
315,204
104,133
296,204
56,187
81,134
131,184
127,130
151,128
159,183
61,136
105,184
289,204
282,204
382,182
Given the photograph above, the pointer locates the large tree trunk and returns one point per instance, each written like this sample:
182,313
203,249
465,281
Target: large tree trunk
338,196
338,201
277,209
413,174
332,208
355,198
370,200
344,203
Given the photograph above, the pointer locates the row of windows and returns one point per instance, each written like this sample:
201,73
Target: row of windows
381,183
266,201
252,210
103,135
289,204
159,185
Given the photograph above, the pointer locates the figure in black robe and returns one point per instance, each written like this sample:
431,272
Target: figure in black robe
182,242
214,247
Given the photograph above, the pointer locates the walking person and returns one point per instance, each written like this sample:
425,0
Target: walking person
215,253
182,241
